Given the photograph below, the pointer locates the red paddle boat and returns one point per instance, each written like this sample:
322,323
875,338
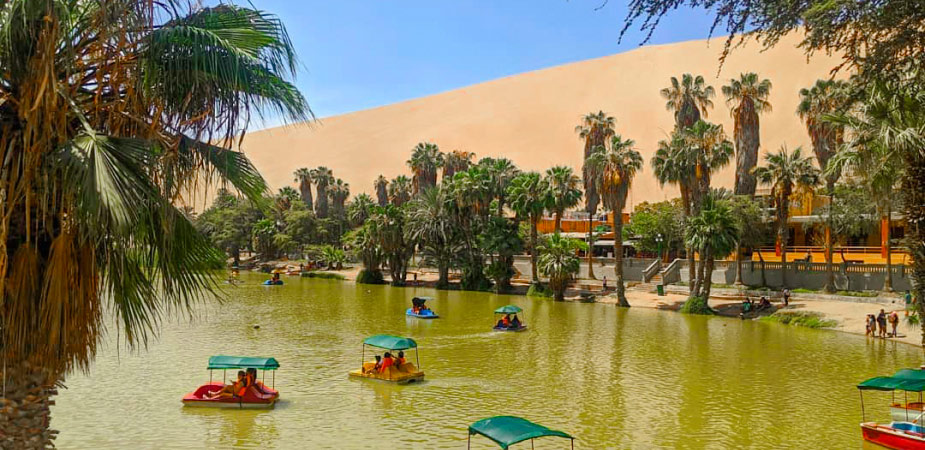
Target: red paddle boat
256,396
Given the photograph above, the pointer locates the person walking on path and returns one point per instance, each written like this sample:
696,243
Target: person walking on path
786,294
881,323
894,322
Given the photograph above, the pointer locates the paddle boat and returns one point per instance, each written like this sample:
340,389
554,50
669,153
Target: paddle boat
258,396
905,431
509,430
419,310
274,281
402,373
505,311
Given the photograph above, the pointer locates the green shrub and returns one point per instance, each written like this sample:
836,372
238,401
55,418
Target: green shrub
804,291
325,275
696,305
539,290
807,319
858,293
370,277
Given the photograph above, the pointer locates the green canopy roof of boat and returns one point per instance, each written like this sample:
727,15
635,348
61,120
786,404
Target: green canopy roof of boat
509,430
242,362
389,342
912,380
509,309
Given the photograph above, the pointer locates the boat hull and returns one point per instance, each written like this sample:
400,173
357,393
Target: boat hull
514,330
397,379
252,399
271,283
888,437
410,312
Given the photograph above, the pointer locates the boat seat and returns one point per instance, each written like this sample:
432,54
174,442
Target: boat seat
908,427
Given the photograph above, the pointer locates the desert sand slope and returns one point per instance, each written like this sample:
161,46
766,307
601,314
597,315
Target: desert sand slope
531,117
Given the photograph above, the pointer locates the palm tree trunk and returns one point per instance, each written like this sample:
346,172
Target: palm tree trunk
707,277
829,265
764,279
782,235
738,280
618,257
591,247
888,281
444,278
558,227
26,401
533,222
691,263
913,188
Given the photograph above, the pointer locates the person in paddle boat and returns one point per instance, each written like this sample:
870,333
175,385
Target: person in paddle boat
376,367
275,277
252,381
387,361
400,359
229,390
515,323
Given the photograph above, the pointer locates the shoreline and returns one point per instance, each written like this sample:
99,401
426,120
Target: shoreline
849,314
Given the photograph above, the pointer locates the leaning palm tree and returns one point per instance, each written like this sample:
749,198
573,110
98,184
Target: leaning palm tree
456,161
689,99
786,172
323,178
825,97
399,190
563,184
426,159
747,97
382,190
303,176
558,262
594,131
615,166
110,112
529,196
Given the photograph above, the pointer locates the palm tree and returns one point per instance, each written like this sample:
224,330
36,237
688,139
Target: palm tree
747,97
674,163
430,225
786,173
456,161
711,151
615,166
563,184
529,196
111,111
712,232
558,262
360,209
825,97
501,171
595,129
303,176
688,99
285,198
323,178
382,190
338,192
399,190
426,158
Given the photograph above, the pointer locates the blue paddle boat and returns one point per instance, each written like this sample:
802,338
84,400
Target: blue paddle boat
275,281
419,310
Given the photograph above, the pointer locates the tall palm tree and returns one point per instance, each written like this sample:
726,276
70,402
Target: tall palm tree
711,151
786,172
674,163
430,225
689,99
712,233
563,184
747,97
456,161
303,176
382,190
529,196
323,178
400,190
285,198
338,192
595,129
825,97
360,209
501,171
426,159
110,112
615,166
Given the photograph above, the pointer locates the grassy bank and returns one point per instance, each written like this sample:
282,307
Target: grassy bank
807,319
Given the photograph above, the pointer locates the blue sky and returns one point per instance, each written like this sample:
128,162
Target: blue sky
359,54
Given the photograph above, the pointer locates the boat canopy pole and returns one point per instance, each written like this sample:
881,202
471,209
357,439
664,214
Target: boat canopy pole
210,376
906,405
417,357
274,380
862,405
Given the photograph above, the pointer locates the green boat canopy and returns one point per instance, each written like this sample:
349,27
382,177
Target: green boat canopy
509,309
509,430
242,362
912,380
389,342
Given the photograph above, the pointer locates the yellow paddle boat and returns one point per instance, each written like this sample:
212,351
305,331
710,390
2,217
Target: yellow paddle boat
388,367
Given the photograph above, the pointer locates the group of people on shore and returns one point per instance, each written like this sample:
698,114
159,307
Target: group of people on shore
749,306
877,324
385,361
246,380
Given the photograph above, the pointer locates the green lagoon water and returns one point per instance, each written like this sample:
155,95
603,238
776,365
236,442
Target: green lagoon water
614,378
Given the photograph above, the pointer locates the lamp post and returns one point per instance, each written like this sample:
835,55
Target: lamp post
658,240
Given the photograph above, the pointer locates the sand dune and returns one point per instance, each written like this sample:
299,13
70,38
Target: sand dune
531,117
